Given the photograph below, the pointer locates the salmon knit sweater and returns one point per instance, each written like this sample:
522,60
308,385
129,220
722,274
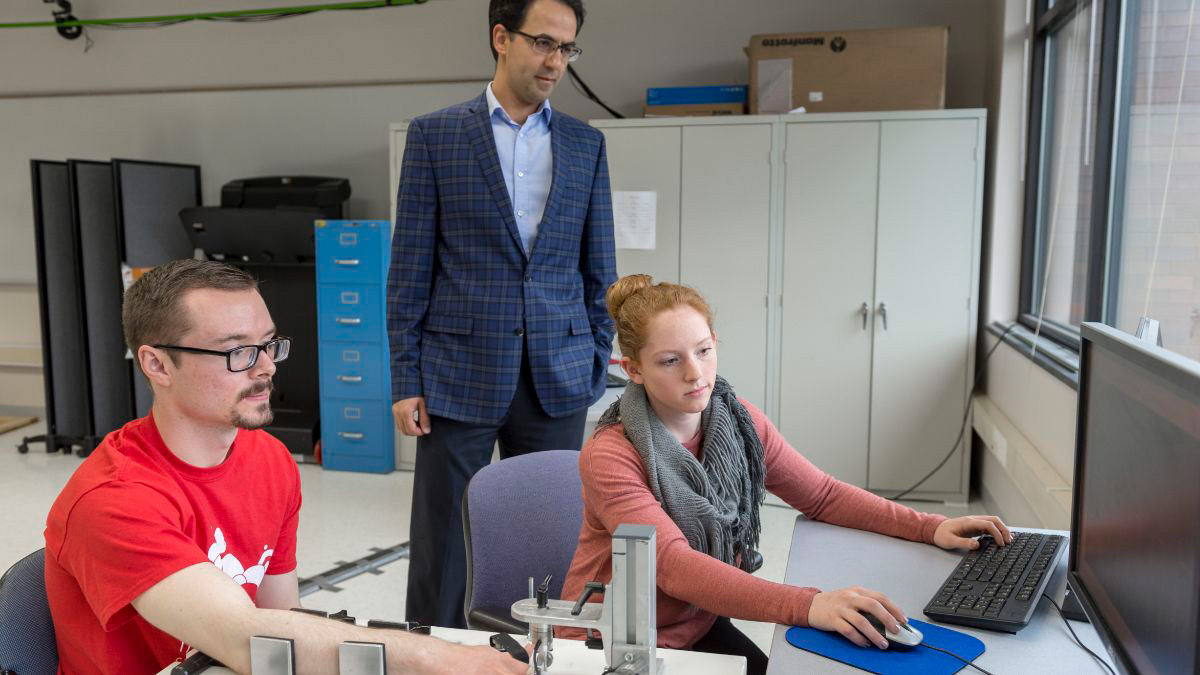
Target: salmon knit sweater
693,588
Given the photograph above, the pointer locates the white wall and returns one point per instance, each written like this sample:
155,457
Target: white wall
629,45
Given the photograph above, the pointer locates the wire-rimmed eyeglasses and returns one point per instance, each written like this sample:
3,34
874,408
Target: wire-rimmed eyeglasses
546,46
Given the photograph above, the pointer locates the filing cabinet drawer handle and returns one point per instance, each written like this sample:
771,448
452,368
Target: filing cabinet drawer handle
346,262
352,435
349,378
348,321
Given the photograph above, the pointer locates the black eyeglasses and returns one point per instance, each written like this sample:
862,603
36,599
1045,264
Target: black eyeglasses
545,46
242,357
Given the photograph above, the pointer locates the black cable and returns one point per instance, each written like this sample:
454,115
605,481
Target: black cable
1077,640
979,371
587,91
969,663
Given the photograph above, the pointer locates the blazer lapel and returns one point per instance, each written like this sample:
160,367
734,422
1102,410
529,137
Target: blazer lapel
558,148
479,130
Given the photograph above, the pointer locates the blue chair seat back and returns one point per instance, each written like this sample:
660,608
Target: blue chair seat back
521,518
27,644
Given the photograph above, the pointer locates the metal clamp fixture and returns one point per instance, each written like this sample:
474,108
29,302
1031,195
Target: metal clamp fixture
626,620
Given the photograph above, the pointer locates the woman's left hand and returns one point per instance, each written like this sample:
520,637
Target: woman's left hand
957,532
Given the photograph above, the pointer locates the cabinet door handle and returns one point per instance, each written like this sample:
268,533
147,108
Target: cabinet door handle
883,313
346,262
350,378
865,310
348,321
351,435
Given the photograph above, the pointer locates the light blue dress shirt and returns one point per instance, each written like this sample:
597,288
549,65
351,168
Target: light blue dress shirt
527,161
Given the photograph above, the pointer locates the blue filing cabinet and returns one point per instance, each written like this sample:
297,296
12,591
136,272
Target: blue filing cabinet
357,433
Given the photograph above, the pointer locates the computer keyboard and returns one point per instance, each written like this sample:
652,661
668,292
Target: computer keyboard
997,587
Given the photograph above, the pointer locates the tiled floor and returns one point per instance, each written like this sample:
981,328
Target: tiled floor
344,516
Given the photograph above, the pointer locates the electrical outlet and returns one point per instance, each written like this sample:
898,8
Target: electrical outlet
999,447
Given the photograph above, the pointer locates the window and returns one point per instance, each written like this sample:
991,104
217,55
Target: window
1112,213
1155,269
1062,174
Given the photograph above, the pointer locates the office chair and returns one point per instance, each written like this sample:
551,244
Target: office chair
521,519
27,645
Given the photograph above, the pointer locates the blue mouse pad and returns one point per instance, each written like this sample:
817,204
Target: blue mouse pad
891,661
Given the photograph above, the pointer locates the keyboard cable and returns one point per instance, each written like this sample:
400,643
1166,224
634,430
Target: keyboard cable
1077,640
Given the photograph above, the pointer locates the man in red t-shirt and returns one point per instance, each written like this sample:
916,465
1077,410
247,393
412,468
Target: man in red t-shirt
179,531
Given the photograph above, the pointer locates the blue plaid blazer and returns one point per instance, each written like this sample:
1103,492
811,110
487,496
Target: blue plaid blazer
463,297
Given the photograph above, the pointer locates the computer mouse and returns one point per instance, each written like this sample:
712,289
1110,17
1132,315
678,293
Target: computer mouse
904,639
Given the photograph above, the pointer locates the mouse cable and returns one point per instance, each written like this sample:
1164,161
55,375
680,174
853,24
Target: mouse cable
1077,640
944,651
979,371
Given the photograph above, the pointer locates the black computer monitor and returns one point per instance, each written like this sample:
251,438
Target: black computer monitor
1135,525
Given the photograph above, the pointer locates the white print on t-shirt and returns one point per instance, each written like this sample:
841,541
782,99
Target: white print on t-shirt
229,564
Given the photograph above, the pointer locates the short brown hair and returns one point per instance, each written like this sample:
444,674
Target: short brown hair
634,300
152,312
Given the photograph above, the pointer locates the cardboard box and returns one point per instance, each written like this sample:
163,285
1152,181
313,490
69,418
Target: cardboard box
841,71
694,110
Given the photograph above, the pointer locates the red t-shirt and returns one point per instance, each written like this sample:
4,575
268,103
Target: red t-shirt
134,513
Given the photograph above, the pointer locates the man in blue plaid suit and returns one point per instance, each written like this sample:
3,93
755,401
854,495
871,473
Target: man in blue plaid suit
501,257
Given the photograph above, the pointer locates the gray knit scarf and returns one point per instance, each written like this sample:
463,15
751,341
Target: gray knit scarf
714,499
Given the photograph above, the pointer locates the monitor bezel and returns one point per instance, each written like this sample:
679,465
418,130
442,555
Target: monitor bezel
1172,367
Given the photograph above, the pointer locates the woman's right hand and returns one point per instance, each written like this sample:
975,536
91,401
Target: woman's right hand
838,611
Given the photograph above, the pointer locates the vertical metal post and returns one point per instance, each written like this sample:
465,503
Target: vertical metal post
635,624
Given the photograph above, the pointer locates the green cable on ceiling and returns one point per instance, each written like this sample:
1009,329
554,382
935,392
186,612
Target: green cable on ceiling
206,16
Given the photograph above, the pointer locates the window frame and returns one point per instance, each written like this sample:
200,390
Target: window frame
1110,139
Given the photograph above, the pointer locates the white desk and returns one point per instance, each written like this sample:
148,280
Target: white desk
572,658
831,557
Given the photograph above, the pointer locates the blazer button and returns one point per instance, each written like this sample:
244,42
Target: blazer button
519,332
528,278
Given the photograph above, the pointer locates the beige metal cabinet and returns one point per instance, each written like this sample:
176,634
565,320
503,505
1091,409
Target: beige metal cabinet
881,232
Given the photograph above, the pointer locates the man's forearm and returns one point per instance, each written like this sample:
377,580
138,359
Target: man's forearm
317,639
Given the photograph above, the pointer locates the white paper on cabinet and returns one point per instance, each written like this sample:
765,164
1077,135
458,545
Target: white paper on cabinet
634,218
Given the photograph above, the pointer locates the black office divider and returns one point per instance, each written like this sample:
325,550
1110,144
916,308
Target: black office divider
60,298
95,218
149,196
